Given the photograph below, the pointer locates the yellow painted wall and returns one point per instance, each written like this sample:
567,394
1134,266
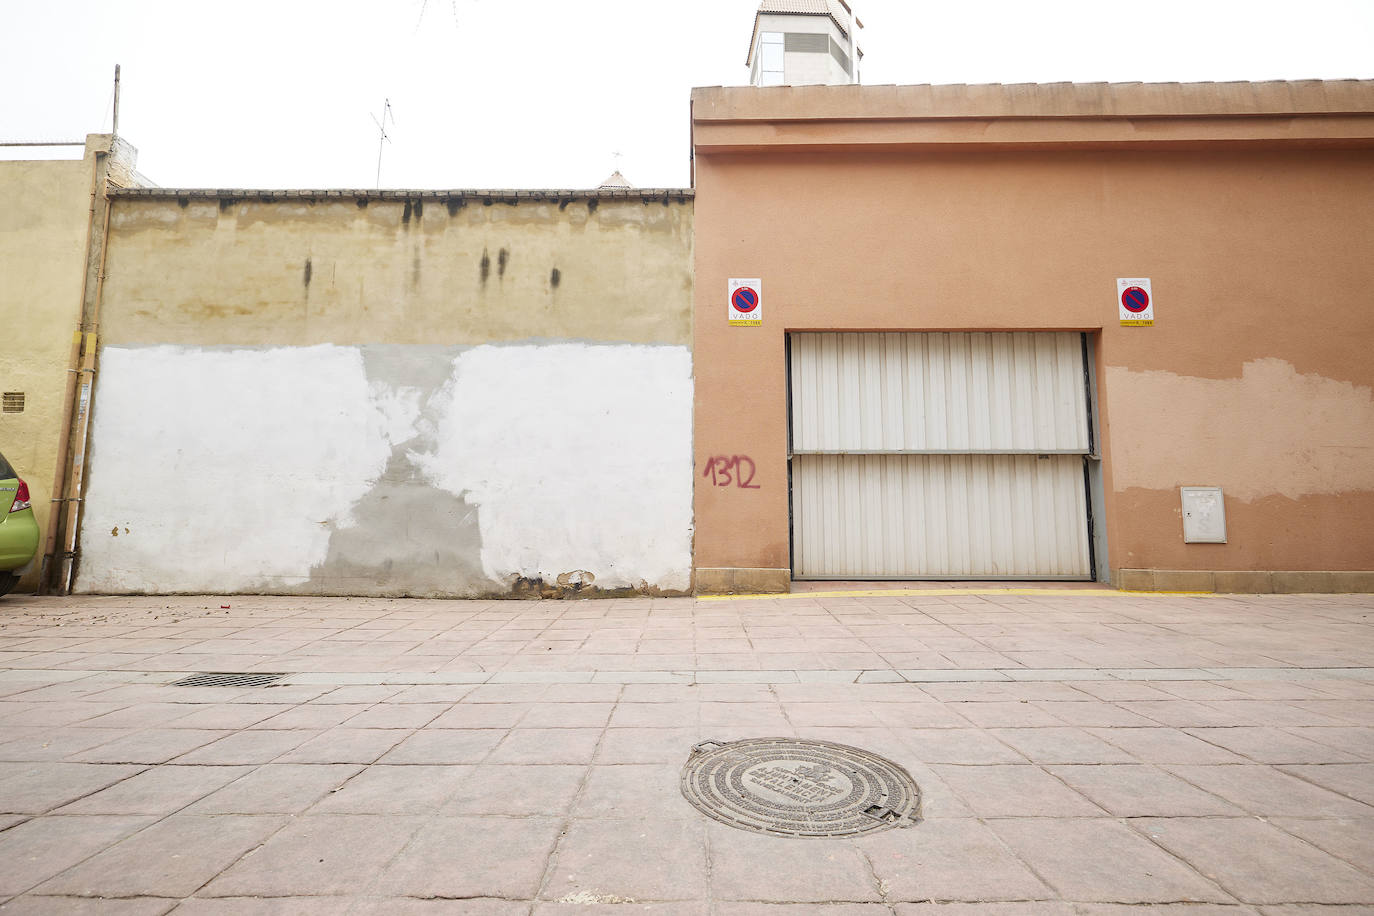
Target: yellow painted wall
44,214
299,271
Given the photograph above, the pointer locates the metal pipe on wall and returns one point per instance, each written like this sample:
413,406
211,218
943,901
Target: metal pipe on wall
72,501
76,481
59,478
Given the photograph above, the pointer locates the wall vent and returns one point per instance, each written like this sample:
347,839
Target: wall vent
806,41
14,402
841,58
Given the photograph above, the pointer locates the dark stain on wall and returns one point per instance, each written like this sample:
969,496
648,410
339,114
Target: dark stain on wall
183,202
502,257
226,203
455,204
308,270
362,203
591,204
419,209
484,266
405,215
555,277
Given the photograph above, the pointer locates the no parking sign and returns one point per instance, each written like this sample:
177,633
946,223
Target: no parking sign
745,302
1136,302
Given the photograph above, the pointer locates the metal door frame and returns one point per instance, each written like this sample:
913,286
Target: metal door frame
1098,570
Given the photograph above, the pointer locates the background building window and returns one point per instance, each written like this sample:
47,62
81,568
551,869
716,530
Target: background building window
770,58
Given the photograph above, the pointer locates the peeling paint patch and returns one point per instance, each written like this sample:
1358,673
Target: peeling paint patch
576,578
403,536
1273,431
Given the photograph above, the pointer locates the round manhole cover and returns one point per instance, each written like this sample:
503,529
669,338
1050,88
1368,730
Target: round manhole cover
791,787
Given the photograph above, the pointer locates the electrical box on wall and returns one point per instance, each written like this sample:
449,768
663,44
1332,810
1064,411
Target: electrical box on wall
1204,515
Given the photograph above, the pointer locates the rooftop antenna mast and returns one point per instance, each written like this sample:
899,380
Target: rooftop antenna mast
383,138
114,118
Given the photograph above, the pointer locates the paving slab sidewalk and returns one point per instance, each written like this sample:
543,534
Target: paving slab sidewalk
1078,752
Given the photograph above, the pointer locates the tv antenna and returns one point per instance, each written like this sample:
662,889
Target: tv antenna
424,5
383,137
114,118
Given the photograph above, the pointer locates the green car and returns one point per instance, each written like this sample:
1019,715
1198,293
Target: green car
18,528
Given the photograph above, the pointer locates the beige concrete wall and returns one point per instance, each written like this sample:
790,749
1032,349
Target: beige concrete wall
432,394
44,215
1256,376
426,270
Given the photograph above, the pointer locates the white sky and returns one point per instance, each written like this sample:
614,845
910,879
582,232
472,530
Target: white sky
543,93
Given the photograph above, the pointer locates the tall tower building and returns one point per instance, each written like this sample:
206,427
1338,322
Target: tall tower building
804,42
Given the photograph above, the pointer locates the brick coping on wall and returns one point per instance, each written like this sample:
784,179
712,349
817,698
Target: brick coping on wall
473,195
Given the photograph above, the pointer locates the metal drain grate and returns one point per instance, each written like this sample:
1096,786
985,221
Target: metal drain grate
796,788
230,679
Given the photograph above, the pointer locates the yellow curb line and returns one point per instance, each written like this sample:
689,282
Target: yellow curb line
1133,591
946,592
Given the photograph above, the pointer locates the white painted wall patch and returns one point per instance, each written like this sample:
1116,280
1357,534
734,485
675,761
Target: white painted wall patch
578,457
230,467
234,468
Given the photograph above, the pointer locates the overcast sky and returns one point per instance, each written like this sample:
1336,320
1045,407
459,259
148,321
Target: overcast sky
545,93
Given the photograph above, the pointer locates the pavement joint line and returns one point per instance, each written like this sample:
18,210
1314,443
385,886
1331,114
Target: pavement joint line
1087,592
716,676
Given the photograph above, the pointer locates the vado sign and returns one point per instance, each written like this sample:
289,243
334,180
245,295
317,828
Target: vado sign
746,303
1136,302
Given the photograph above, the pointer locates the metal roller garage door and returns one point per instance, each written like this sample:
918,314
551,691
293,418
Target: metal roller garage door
939,455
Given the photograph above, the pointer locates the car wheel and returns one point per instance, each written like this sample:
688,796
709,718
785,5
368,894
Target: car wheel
7,582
